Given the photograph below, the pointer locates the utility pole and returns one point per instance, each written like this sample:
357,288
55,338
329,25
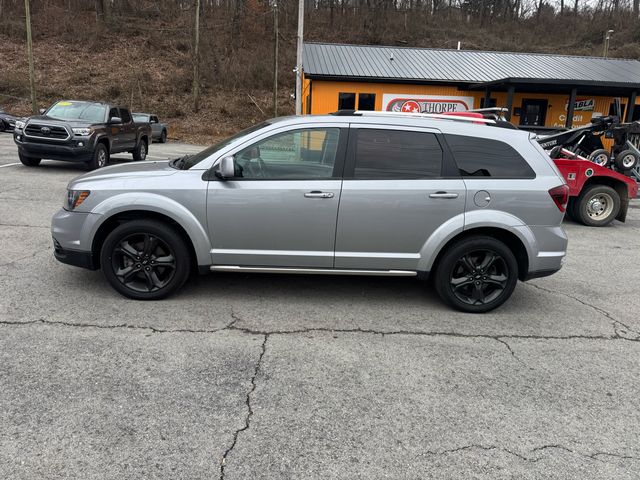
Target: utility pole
32,80
299,58
196,60
607,37
275,59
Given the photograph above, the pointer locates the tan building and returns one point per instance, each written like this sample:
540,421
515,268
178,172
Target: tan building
539,90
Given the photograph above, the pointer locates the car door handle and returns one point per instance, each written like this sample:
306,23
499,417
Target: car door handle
316,194
443,195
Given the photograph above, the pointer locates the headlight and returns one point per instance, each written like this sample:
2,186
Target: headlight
75,198
82,131
19,124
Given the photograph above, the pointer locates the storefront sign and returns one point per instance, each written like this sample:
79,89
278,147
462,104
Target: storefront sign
582,105
425,103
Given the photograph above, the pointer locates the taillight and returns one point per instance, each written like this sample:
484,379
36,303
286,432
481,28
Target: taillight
560,195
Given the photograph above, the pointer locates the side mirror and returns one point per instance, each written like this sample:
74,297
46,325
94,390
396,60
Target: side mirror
42,110
115,120
226,168
153,121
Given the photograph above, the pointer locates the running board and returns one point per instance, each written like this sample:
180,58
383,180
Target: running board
321,271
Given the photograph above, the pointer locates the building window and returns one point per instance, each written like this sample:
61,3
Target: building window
492,103
367,101
385,154
346,101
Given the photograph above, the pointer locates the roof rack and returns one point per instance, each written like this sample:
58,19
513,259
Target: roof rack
460,118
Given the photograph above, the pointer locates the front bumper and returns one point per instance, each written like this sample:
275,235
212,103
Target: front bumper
67,151
74,257
72,238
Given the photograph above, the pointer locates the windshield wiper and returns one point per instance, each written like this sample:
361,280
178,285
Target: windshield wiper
179,162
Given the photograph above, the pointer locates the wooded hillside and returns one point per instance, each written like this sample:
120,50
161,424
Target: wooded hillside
140,52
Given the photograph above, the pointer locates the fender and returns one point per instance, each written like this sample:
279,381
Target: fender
469,221
439,239
504,221
158,204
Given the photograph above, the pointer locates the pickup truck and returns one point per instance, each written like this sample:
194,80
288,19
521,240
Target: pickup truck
158,129
81,132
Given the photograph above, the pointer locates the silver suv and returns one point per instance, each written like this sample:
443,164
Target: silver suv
472,206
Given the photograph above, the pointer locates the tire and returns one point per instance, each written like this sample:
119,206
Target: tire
29,161
572,209
465,284
597,206
626,160
3,127
600,157
100,157
163,137
130,245
140,152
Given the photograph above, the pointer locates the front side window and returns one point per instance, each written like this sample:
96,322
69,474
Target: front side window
296,155
484,157
396,154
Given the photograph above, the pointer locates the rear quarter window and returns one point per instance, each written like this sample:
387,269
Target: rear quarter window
485,157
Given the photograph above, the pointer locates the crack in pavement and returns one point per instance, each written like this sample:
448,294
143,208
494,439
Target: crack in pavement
531,459
623,332
23,225
231,326
247,419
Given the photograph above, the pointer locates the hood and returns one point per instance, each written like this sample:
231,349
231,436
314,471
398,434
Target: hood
58,121
126,171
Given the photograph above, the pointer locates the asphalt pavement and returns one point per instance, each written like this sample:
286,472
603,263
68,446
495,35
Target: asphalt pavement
297,377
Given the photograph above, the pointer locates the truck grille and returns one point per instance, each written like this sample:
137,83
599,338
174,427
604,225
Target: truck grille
53,132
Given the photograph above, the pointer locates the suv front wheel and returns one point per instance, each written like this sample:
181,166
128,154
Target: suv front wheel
145,260
476,274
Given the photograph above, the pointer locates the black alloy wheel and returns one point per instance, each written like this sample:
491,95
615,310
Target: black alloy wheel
479,277
143,262
476,274
145,259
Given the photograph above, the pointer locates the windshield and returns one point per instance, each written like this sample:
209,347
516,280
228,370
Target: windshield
92,112
207,152
140,118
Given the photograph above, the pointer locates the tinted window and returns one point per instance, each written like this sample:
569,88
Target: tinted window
367,101
125,115
300,154
397,154
482,157
346,101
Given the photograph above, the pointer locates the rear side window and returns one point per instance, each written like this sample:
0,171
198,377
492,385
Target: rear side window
483,157
125,115
385,154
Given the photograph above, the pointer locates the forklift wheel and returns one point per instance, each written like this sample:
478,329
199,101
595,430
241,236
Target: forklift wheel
600,157
626,160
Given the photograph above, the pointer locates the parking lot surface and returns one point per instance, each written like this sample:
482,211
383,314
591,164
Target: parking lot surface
265,377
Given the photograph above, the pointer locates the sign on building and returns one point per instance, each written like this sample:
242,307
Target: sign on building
393,102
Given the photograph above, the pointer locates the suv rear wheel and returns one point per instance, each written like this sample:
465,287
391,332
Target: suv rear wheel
476,274
29,161
145,260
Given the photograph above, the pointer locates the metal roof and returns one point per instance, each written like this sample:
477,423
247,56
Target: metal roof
471,67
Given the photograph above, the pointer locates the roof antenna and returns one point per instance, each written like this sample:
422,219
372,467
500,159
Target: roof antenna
391,57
